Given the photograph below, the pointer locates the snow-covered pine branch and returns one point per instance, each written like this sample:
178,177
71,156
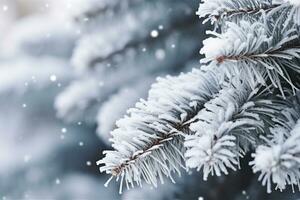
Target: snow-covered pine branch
118,104
228,122
278,160
270,47
101,53
220,11
106,44
210,119
148,143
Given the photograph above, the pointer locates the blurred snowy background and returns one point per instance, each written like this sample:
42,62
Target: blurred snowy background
68,70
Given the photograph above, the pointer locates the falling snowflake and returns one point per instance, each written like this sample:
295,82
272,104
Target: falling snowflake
53,78
81,144
57,181
88,163
5,8
64,130
154,34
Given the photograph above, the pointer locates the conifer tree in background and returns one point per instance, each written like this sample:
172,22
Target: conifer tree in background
242,101
123,46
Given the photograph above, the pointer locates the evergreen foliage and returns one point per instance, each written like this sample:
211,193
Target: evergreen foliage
242,99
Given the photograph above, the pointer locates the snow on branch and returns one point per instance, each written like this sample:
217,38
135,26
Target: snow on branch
279,159
216,10
219,11
101,47
274,48
223,128
148,143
